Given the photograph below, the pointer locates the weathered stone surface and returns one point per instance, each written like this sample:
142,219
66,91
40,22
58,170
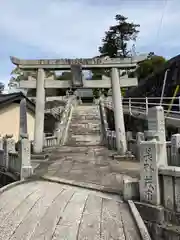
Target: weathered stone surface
151,212
8,146
168,193
177,194
25,158
149,181
23,119
83,159
130,189
164,231
1,142
156,129
175,145
46,210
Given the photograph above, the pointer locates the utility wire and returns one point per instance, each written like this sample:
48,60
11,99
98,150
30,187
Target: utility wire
161,19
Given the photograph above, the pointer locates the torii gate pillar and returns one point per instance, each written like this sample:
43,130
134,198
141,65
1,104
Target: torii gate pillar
39,116
118,112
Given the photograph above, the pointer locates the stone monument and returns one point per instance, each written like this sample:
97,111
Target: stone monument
153,154
23,119
24,143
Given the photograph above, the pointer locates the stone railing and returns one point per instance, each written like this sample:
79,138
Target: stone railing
108,137
50,141
172,148
159,205
157,192
109,140
170,186
62,125
16,162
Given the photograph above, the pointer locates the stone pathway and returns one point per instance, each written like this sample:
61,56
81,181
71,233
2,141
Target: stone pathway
83,161
55,209
46,210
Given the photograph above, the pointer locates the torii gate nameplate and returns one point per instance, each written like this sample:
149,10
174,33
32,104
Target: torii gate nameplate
76,71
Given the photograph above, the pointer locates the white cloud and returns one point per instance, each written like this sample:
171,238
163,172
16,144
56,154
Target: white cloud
75,28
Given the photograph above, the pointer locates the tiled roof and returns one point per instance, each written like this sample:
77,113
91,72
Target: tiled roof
53,108
15,97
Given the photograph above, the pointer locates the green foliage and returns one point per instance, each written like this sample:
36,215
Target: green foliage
150,65
97,73
105,92
117,37
114,44
18,75
96,93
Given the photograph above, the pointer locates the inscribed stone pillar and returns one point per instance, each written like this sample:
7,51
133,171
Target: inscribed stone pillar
23,119
118,112
149,180
39,118
175,145
77,79
25,158
156,128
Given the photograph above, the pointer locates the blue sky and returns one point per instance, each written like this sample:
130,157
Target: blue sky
74,28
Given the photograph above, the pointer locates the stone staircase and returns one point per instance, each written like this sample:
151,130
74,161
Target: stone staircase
83,160
84,129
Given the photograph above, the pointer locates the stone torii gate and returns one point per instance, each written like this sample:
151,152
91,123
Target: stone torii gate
76,66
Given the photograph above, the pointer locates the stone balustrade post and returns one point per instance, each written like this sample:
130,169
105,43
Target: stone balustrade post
1,142
175,145
139,138
113,139
128,135
1,151
104,125
156,129
58,132
25,158
128,138
8,146
151,153
110,140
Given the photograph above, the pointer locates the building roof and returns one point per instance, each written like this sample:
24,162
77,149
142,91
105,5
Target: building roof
51,108
6,99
